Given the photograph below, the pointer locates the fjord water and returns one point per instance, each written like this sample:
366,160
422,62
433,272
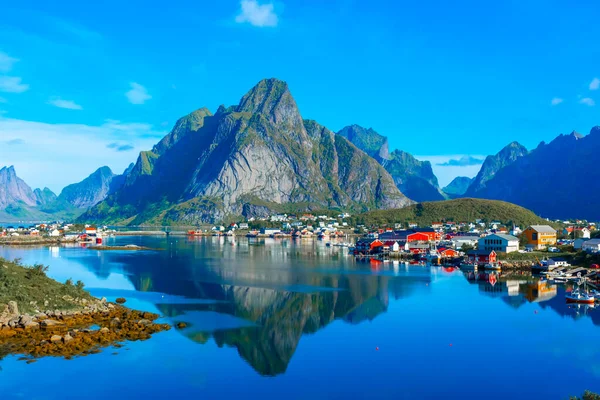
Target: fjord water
301,320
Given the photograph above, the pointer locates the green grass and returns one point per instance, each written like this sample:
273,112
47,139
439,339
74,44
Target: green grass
459,210
34,291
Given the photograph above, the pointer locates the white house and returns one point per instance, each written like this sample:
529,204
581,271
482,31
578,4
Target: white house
498,242
243,225
269,231
54,233
591,246
558,262
459,241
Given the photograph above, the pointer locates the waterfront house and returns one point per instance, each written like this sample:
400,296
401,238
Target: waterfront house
577,232
482,256
369,246
578,243
498,242
243,225
90,230
558,262
391,245
459,241
591,246
54,233
540,236
445,252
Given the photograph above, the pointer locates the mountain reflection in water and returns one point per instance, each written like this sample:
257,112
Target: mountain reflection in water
270,302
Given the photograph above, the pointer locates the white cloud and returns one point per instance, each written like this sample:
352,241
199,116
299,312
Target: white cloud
445,172
261,15
59,150
12,84
595,84
68,104
138,94
587,101
556,101
6,62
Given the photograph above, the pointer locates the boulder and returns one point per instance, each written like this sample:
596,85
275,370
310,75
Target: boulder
121,300
13,308
31,325
104,330
67,338
181,325
56,339
50,323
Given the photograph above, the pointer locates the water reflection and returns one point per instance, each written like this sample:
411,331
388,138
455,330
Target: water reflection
262,297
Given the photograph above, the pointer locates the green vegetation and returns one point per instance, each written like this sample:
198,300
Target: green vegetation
33,290
587,395
459,210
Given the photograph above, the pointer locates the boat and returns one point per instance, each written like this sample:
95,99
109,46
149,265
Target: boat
493,266
580,296
468,266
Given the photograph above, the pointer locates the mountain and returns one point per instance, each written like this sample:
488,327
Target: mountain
493,164
458,210
14,191
18,202
44,196
556,180
89,191
414,178
458,186
245,160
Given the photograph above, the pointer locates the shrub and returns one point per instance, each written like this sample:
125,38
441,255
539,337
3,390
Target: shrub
79,285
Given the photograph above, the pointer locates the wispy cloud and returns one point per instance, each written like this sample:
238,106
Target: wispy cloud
6,62
464,161
595,84
68,104
56,149
588,101
138,94
556,101
260,15
14,142
12,84
119,147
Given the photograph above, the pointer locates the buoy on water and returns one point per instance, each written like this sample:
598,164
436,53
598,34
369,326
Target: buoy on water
377,348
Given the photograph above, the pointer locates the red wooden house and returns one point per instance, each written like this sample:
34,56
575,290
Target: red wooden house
447,253
482,256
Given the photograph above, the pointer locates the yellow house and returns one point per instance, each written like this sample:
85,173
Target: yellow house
540,236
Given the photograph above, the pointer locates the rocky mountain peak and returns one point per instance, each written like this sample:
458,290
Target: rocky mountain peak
368,140
272,98
184,125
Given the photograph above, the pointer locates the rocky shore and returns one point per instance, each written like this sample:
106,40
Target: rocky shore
68,334
34,240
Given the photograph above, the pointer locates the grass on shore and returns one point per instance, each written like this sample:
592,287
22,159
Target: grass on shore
34,291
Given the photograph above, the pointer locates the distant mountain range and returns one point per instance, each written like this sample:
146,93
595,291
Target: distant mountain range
18,202
556,180
260,156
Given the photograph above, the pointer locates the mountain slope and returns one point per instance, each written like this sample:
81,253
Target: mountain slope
493,164
13,190
458,186
556,180
414,178
259,152
89,191
459,210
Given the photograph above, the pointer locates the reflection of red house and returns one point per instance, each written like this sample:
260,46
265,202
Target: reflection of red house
448,253
482,256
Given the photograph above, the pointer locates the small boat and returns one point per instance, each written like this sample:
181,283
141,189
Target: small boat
328,244
581,297
493,266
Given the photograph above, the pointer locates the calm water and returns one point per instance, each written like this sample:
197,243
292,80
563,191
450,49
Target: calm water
300,320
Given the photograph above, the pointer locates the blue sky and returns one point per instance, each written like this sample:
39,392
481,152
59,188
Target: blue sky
89,84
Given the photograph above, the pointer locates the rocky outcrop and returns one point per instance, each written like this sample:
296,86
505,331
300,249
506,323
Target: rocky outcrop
258,153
